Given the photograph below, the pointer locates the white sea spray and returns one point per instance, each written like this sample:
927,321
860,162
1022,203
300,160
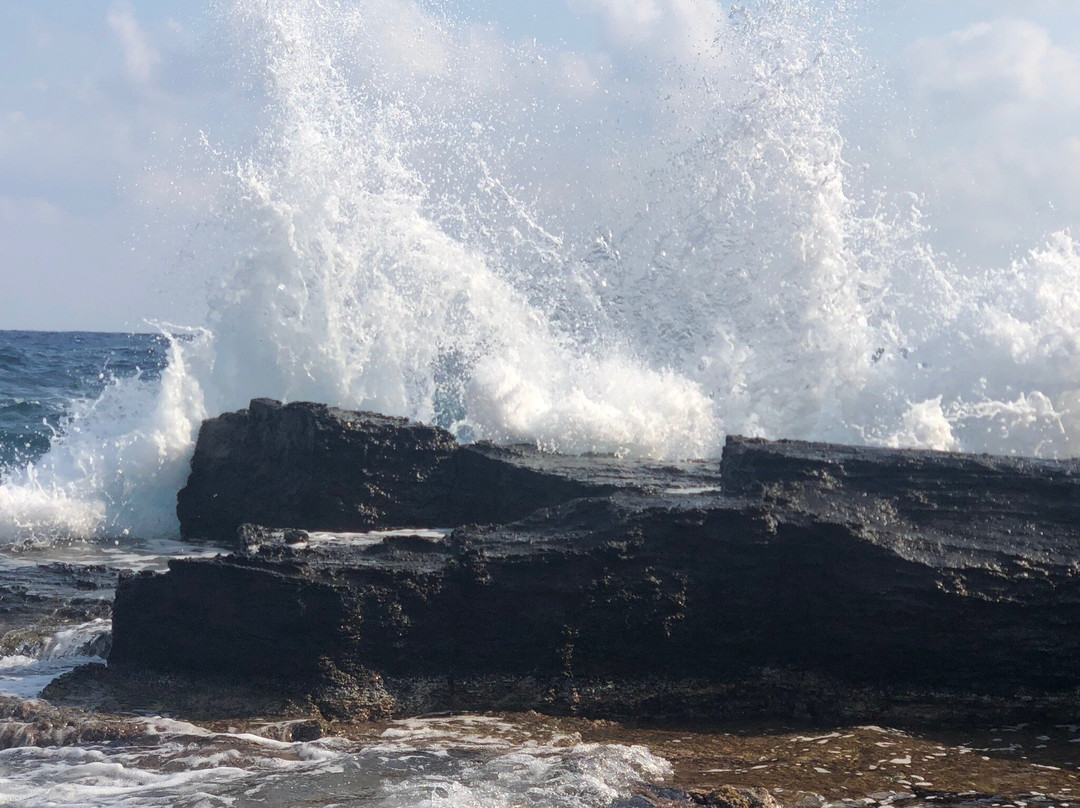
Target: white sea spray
519,243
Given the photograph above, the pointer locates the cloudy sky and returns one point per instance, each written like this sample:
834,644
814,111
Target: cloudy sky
104,104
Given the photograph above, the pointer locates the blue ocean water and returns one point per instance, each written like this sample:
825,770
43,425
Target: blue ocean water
44,374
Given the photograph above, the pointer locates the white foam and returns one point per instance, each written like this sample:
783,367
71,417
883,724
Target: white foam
118,465
180,765
24,674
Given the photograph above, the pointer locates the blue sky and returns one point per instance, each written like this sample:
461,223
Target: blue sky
102,104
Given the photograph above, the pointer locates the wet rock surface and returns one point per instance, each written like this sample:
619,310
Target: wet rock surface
793,579
37,723
747,765
304,465
111,690
36,600
888,766
1015,519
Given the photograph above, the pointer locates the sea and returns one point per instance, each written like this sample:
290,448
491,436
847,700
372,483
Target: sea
426,219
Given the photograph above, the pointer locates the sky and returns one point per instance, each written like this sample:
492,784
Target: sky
110,108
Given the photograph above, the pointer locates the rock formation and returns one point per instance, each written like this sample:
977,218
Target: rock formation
321,468
795,579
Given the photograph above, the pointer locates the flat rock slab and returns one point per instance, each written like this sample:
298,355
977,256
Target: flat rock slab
794,579
945,508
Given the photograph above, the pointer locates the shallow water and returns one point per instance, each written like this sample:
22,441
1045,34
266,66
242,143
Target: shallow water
466,761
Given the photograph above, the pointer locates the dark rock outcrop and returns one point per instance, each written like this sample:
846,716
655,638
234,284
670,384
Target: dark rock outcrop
307,465
823,581
320,468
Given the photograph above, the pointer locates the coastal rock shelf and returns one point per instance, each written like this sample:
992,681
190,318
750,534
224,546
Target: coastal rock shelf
790,579
321,468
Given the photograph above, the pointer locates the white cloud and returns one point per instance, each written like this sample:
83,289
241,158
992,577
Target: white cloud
630,21
998,62
99,169
995,152
140,57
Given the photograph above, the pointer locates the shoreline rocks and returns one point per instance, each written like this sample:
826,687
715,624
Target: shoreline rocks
310,466
792,579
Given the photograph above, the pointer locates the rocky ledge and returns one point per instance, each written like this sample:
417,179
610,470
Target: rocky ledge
790,579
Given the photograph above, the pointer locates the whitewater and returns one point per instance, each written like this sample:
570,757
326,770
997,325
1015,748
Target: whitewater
508,240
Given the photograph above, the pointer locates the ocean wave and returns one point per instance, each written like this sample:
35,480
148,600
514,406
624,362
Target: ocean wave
433,223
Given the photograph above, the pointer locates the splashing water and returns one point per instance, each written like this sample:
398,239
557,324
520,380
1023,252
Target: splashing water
117,467
519,244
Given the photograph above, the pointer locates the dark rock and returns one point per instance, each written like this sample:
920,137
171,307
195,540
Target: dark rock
824,583
197,697
722,797
309,466
947,505
304,731
35,723
732,797
252,538
36,601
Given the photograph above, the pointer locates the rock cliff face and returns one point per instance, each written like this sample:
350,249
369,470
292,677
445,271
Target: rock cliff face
820,579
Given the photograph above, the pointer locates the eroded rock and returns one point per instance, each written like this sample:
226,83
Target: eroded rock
310,466
821,582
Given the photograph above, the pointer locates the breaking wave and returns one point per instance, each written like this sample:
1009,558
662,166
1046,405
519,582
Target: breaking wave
637,253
